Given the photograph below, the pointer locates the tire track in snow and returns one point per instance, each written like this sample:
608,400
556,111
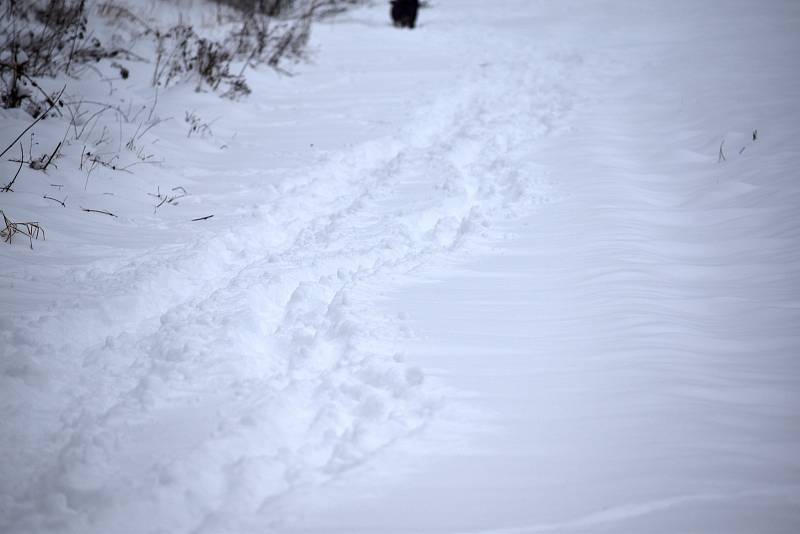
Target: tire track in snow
269,379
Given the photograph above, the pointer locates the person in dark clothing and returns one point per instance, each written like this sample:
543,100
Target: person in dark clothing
404,13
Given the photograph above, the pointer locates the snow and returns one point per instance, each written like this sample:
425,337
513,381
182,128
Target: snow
489,275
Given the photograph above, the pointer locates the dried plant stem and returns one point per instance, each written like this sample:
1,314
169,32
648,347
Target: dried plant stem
62,202
31,230
31,125
7,187
104,212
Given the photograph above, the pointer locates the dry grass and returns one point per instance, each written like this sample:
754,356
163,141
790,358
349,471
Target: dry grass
31,230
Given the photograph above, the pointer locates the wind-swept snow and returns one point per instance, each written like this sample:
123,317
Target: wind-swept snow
626,359
485,276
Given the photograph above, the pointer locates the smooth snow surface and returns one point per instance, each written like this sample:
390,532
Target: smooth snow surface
490,275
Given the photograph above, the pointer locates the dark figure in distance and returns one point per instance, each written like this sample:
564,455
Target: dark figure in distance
404,13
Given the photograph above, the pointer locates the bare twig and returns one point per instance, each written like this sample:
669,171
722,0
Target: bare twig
51,156
89,172
151,125
127,168
103,105
7,187
153,107
31,125
98,211
202,218
169,199
62,202
47,97
75,118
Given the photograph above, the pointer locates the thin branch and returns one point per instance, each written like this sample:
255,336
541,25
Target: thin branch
98,211
150,126
47,97
62,202
127,167
89,173
153,107
202,218
101,104
31,125
51,157
7,188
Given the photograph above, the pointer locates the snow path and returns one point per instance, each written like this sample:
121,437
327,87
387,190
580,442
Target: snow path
529,300
194,384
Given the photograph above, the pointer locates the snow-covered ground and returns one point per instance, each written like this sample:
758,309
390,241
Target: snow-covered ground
490,275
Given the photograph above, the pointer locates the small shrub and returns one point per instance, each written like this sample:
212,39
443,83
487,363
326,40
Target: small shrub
43,38
181,54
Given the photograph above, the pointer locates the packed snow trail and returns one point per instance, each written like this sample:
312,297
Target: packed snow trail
626,359
194,384
599,319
